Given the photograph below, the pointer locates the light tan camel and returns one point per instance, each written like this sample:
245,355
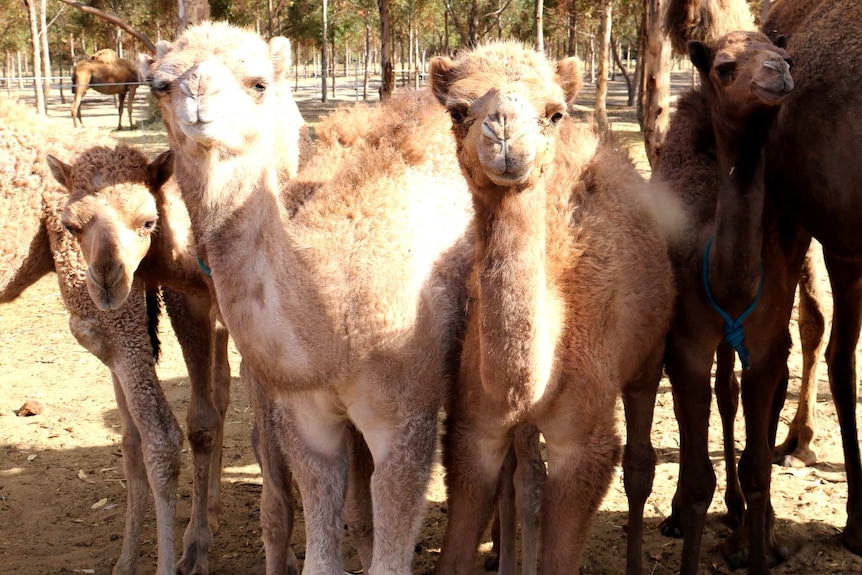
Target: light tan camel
132,227
736,281
570,301
124,339
343,289
106,73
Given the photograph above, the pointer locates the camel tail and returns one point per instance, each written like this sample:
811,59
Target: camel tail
154,310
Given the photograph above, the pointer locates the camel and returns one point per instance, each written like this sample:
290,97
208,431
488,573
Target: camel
131,226
107,73
737,247
343,288
570,299
123,338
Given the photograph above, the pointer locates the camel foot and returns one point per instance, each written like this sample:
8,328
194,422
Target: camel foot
670,527
791,453
193,562
735,550
851,538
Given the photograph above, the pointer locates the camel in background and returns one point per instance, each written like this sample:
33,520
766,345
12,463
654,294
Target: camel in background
106,73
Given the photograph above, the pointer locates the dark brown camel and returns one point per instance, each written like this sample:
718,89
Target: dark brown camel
813,171
106,73
737,246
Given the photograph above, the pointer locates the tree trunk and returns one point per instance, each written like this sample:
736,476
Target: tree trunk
367,58
539,29
601,107
618,61
191,12
764,12
387,83
37,56
655,90
323,62
46,53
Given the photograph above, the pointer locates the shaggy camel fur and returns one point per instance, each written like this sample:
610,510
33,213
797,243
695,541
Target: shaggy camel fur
343,290
107,73
570,301
735,245
132,229
121,338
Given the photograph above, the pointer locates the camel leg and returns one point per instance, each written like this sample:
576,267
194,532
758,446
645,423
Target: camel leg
529,480
131,97
76,104
137,487
688,368
190,317
122,99
727,400
763,390
846,279
639,457
582,454
221,399
505,525
358,512
312,434
276,500
473,454
796,450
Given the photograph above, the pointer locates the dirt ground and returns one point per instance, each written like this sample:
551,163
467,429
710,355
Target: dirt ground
62,499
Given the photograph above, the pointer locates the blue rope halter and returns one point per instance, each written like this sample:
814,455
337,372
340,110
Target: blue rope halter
733,334
209,272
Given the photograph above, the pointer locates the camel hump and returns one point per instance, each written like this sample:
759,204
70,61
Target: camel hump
105,56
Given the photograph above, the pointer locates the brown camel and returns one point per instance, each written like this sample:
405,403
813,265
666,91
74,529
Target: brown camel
813,172
106,73
343,289
731,268
570,301
131,228
122,338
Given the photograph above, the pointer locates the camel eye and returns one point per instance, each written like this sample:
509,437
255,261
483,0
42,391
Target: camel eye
259,86
726,71
71,228
148,226
157,87
456,115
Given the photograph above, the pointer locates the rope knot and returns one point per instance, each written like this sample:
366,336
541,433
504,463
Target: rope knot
734,336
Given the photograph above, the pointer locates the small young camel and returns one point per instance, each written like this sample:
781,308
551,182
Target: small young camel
570,299
343,289
121,338
747,256
131,226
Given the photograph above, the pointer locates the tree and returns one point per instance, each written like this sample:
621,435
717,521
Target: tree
601,108
539,29
387,84
323,60
191,12
654,108
37,56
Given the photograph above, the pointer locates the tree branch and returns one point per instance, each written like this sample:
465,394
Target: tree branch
115,21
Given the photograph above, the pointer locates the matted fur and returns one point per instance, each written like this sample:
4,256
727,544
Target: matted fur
704,20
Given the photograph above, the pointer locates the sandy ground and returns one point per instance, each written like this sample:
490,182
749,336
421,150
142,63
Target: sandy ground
62,499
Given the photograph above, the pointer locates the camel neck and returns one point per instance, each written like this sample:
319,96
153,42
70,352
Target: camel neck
735,257
513,307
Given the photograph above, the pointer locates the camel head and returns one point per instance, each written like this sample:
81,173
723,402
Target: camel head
111,210
744,71
506,102
220,88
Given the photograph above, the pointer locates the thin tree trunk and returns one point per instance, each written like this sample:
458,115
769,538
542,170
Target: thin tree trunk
387,84
37,56
601,107
46,52
323,62
367,58
618,61
539,28
655,90
191,12
764,11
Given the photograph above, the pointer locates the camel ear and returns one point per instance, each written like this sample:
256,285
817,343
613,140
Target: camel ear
162,48
62,172
279,47
442,76
161,169
570,77
700,54
781,42
144,63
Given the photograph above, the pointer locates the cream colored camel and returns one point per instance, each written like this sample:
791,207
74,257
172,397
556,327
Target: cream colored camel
106,73
343,289
570,301
132,227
